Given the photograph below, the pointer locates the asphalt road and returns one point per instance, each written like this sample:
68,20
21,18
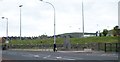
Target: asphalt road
46,55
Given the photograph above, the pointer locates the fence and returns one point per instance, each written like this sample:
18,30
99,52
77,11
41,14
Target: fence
107,47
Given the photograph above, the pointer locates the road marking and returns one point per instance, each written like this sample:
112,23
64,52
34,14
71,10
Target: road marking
64,58
112,55
58,57
47,56
36,55
68,59
44,57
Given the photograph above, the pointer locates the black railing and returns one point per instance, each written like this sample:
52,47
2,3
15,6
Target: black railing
107,47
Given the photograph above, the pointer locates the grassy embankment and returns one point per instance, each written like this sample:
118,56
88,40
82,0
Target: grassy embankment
72,40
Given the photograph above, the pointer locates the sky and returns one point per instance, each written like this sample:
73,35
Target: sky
38,17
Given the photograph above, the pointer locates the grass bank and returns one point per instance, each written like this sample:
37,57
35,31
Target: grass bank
72,40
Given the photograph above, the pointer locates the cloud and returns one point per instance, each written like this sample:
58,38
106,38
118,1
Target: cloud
37,17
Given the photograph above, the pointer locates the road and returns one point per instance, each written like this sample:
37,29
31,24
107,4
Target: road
46,55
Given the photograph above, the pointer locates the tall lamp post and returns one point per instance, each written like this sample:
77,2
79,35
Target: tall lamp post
79,34
6,28
83,17
54,25
20,20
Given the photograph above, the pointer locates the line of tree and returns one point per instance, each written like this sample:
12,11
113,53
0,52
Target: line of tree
115,31
105,32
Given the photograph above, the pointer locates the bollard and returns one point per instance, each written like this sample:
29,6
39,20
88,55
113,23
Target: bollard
98,47
116,47
110,47
105,48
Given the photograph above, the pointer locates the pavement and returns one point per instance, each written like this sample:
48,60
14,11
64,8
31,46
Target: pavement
33,49
50,50
60,55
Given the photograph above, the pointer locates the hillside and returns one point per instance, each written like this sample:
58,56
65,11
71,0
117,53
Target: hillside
72,40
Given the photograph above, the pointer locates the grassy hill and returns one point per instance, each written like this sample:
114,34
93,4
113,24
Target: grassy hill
72,40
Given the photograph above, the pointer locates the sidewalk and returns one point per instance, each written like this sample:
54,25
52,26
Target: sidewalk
51,50
33,49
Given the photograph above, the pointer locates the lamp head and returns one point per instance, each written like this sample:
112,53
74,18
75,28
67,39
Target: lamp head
20,5
3,17
41,0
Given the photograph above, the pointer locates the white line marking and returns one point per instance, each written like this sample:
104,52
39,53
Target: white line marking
47,56
36,55
64,58
44,57
58,57
68,59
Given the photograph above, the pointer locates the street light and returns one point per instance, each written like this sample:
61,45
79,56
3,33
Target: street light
54,25
79,34
6,29
20,20
83,17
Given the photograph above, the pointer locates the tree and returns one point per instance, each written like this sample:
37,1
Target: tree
43,36
105,32
116,31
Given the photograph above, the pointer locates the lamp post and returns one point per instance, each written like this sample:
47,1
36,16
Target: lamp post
79,34
20,20
83,17
119,19
54,25
6,28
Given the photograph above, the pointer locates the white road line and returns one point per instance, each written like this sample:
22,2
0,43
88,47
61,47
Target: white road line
47,56
58,57
68,59
109,55
64,58
36,56
44,57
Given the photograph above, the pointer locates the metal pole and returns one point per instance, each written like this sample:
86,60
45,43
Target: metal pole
7,29
117,47
20,20
20,23
79,33
83,17
54,25
105,48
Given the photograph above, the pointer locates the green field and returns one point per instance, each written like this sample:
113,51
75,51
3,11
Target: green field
72,40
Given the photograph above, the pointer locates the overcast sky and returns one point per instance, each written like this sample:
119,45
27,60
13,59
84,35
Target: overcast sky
37,16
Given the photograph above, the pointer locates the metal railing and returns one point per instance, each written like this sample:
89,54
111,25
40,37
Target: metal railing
107,47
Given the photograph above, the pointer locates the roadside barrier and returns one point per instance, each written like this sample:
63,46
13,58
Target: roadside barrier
106,47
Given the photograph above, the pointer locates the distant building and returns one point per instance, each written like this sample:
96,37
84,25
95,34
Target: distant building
75,35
